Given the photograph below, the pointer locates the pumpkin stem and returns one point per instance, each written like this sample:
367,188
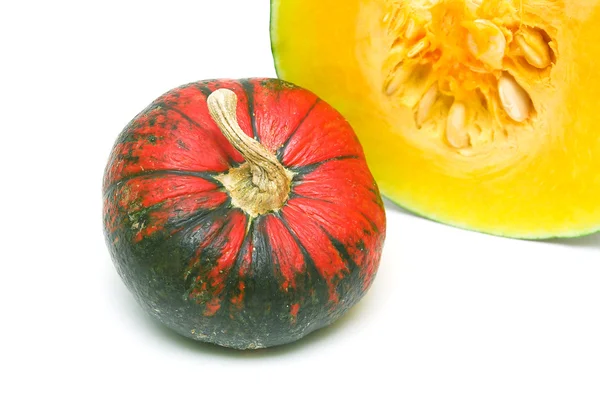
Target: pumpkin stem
260,185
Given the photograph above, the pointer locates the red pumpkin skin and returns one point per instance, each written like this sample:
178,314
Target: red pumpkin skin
207,269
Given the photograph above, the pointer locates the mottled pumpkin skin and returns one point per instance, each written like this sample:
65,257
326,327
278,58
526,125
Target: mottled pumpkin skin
202,266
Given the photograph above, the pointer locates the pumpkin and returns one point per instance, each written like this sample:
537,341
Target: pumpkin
478,114
242,213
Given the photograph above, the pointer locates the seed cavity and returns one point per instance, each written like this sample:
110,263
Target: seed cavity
534,48
456,134
464,60
514,99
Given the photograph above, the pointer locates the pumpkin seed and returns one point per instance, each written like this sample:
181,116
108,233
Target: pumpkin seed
456,134
426,103
412,30
396,78
487,43
418,48
473,5
534,47
514,99
396,19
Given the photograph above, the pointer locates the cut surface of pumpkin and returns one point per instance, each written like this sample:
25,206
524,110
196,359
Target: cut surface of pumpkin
482,114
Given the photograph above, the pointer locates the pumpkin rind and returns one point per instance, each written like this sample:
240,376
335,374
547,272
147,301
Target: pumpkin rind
202,266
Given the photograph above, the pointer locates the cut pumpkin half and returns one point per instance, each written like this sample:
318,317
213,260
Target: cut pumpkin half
480,114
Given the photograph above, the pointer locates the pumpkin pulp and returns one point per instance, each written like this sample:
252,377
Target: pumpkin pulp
480,114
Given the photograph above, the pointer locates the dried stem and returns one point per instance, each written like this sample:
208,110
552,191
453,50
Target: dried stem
260,185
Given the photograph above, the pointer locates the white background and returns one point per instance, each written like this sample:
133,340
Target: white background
451,315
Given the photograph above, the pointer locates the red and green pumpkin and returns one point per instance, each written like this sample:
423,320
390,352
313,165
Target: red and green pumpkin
246,242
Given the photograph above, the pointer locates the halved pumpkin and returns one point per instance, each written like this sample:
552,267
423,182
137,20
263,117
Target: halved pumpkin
483,114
